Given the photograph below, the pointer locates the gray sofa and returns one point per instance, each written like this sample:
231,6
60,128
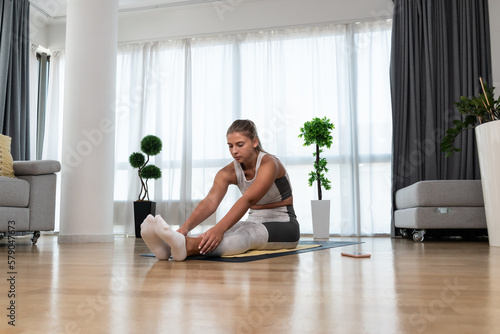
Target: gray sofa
454,207
29,199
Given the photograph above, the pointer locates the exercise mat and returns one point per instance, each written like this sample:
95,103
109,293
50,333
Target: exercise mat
253,255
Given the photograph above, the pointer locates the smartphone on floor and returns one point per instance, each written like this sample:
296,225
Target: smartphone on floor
356,255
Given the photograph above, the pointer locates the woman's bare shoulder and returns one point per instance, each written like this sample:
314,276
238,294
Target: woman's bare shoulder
269,158
228,173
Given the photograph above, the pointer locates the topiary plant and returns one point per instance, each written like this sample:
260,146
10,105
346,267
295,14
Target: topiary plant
150,145
318,132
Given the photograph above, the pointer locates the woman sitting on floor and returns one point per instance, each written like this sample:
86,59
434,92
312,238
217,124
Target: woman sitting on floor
266,192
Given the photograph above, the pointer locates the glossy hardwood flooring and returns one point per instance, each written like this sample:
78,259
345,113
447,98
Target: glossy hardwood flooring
439,286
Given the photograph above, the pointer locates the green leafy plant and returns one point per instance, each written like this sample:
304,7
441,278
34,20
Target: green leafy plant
150,145
318,132
480,109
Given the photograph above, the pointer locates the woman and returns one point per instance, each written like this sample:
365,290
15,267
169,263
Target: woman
266,192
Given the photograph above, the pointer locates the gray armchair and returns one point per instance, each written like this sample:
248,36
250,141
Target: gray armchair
29,199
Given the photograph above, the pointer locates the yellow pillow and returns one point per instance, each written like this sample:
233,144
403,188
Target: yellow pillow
6,163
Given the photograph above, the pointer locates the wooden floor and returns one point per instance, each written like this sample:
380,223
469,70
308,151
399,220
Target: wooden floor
439,286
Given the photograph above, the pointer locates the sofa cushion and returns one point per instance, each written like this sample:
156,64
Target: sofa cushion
15,192
6,163
19,215
473,217
441,193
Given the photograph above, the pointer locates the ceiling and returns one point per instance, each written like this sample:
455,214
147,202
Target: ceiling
57,8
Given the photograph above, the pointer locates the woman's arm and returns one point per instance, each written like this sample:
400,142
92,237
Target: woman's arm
210,203
268,172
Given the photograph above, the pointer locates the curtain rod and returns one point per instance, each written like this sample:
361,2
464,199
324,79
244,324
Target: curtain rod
235,32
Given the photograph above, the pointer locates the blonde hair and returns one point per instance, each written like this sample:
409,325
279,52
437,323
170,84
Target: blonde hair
248,129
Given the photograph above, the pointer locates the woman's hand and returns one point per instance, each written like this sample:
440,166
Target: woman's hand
211,239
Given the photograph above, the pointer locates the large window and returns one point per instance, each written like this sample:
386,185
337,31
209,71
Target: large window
189,91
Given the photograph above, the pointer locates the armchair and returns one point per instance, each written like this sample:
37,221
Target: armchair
29,199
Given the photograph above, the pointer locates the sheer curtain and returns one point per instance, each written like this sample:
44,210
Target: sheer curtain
151,89
52,142
189,91
371,55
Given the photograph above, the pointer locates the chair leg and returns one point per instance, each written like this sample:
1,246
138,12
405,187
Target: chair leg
36,235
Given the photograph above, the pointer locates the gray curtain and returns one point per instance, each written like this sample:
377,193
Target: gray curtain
440,48
14,75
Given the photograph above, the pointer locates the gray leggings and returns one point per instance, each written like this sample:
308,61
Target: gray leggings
245,235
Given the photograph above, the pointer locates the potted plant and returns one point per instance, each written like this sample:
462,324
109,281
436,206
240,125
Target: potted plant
318,132
482,113
143,206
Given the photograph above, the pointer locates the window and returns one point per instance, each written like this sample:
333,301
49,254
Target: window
189,91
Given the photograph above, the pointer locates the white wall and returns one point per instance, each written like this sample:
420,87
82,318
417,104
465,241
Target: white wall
39,27
221,16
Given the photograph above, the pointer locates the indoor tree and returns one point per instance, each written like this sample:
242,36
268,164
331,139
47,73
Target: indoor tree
318,132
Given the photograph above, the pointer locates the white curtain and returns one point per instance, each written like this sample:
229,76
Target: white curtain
151,89
189,91
54,113
52,144
373,126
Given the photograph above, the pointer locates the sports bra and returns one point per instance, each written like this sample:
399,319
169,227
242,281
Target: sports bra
279,191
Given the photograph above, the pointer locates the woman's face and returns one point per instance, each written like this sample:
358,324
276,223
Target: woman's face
241,147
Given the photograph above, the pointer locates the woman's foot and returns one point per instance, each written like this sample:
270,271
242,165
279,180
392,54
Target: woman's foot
159,247
176,240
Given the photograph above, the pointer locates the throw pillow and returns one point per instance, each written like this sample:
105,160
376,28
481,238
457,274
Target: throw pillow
6,162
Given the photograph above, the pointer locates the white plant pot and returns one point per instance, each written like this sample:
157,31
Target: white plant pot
488,146
321,218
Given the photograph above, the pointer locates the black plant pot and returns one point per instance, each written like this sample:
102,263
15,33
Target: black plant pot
141,210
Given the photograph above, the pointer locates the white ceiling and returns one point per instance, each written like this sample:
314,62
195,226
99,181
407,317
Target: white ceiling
57,8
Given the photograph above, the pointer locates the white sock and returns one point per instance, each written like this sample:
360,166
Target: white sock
159,247
176,240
